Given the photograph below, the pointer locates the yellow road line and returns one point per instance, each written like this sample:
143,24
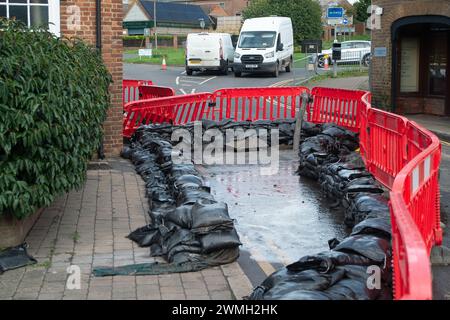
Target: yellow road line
445,143
260,259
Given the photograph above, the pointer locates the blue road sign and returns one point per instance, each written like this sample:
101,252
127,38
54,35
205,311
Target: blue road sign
335,13
345,21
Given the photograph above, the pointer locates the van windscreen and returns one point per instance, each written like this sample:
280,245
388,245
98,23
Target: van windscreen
257,39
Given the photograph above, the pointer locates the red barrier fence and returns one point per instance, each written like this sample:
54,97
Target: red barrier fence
339,106
405,158
130,89
402,155
247,104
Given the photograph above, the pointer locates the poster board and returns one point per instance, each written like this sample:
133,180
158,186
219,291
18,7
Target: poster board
409,67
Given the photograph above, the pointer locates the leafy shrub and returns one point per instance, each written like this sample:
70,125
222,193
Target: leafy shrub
152,38
53,101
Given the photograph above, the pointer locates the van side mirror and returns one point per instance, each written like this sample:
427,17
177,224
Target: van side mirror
280,47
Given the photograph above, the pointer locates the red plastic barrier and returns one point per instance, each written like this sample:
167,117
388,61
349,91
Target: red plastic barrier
416,215
252,104
130,89
405,158
151,92
236,104
385,144
175,110
339,106
364,131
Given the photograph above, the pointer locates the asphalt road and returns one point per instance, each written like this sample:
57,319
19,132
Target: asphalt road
176,78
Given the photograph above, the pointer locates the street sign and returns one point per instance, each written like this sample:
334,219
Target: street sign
335,13
345,21
145,53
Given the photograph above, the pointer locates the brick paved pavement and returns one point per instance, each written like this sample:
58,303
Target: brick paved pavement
88,228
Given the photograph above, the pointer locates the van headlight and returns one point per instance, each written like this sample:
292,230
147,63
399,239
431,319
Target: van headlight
237,55
269,55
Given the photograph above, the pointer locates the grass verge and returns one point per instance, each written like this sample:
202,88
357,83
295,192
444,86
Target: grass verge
174,57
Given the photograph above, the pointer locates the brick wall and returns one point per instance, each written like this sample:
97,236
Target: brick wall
112,11
381,68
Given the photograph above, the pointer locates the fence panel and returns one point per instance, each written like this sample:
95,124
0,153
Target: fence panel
386,145
176,110
151,92
251,104
130,90
339,106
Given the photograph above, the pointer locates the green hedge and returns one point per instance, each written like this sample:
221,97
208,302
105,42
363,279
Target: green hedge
53,100
160,37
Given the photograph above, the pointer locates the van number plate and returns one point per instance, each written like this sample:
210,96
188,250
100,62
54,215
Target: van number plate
251,66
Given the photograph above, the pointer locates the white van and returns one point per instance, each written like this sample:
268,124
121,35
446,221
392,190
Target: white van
265,45
209,51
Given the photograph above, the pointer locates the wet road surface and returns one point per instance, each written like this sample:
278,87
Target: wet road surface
280,218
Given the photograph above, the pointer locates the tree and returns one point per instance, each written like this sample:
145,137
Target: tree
361,10
306,15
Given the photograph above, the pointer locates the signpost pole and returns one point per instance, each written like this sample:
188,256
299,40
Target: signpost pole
154,26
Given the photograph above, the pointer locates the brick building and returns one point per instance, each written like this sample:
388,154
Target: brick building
411,47
231,7
97,22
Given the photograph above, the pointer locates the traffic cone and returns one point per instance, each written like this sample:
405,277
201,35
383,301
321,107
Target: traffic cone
164,64
325,63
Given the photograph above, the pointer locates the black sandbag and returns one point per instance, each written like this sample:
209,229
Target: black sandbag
190,196
15,257
182,216
328,260
380,227
126,152
372,247
145,236
284,284
182,237
208,217
218,240
188,179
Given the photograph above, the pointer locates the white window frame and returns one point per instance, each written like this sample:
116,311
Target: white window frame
54,18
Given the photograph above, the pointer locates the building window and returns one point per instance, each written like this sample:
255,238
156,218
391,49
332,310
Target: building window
44,13
437,64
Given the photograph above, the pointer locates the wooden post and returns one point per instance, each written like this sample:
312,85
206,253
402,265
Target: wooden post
175,41
305,99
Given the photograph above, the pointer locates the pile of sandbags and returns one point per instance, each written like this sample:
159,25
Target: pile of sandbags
285,127
322,145
358,268
340,181
189,227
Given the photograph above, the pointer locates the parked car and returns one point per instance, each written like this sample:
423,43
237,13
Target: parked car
265,45
209,51
351,52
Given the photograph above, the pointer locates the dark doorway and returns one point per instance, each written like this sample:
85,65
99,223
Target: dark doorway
420,64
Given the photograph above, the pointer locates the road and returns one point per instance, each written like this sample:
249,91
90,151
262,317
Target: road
176,78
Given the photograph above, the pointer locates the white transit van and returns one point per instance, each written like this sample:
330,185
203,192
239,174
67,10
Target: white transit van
265,45
209,51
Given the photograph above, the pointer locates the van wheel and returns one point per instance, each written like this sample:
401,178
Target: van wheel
289,66
189,72
366,60
276,73
237,74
